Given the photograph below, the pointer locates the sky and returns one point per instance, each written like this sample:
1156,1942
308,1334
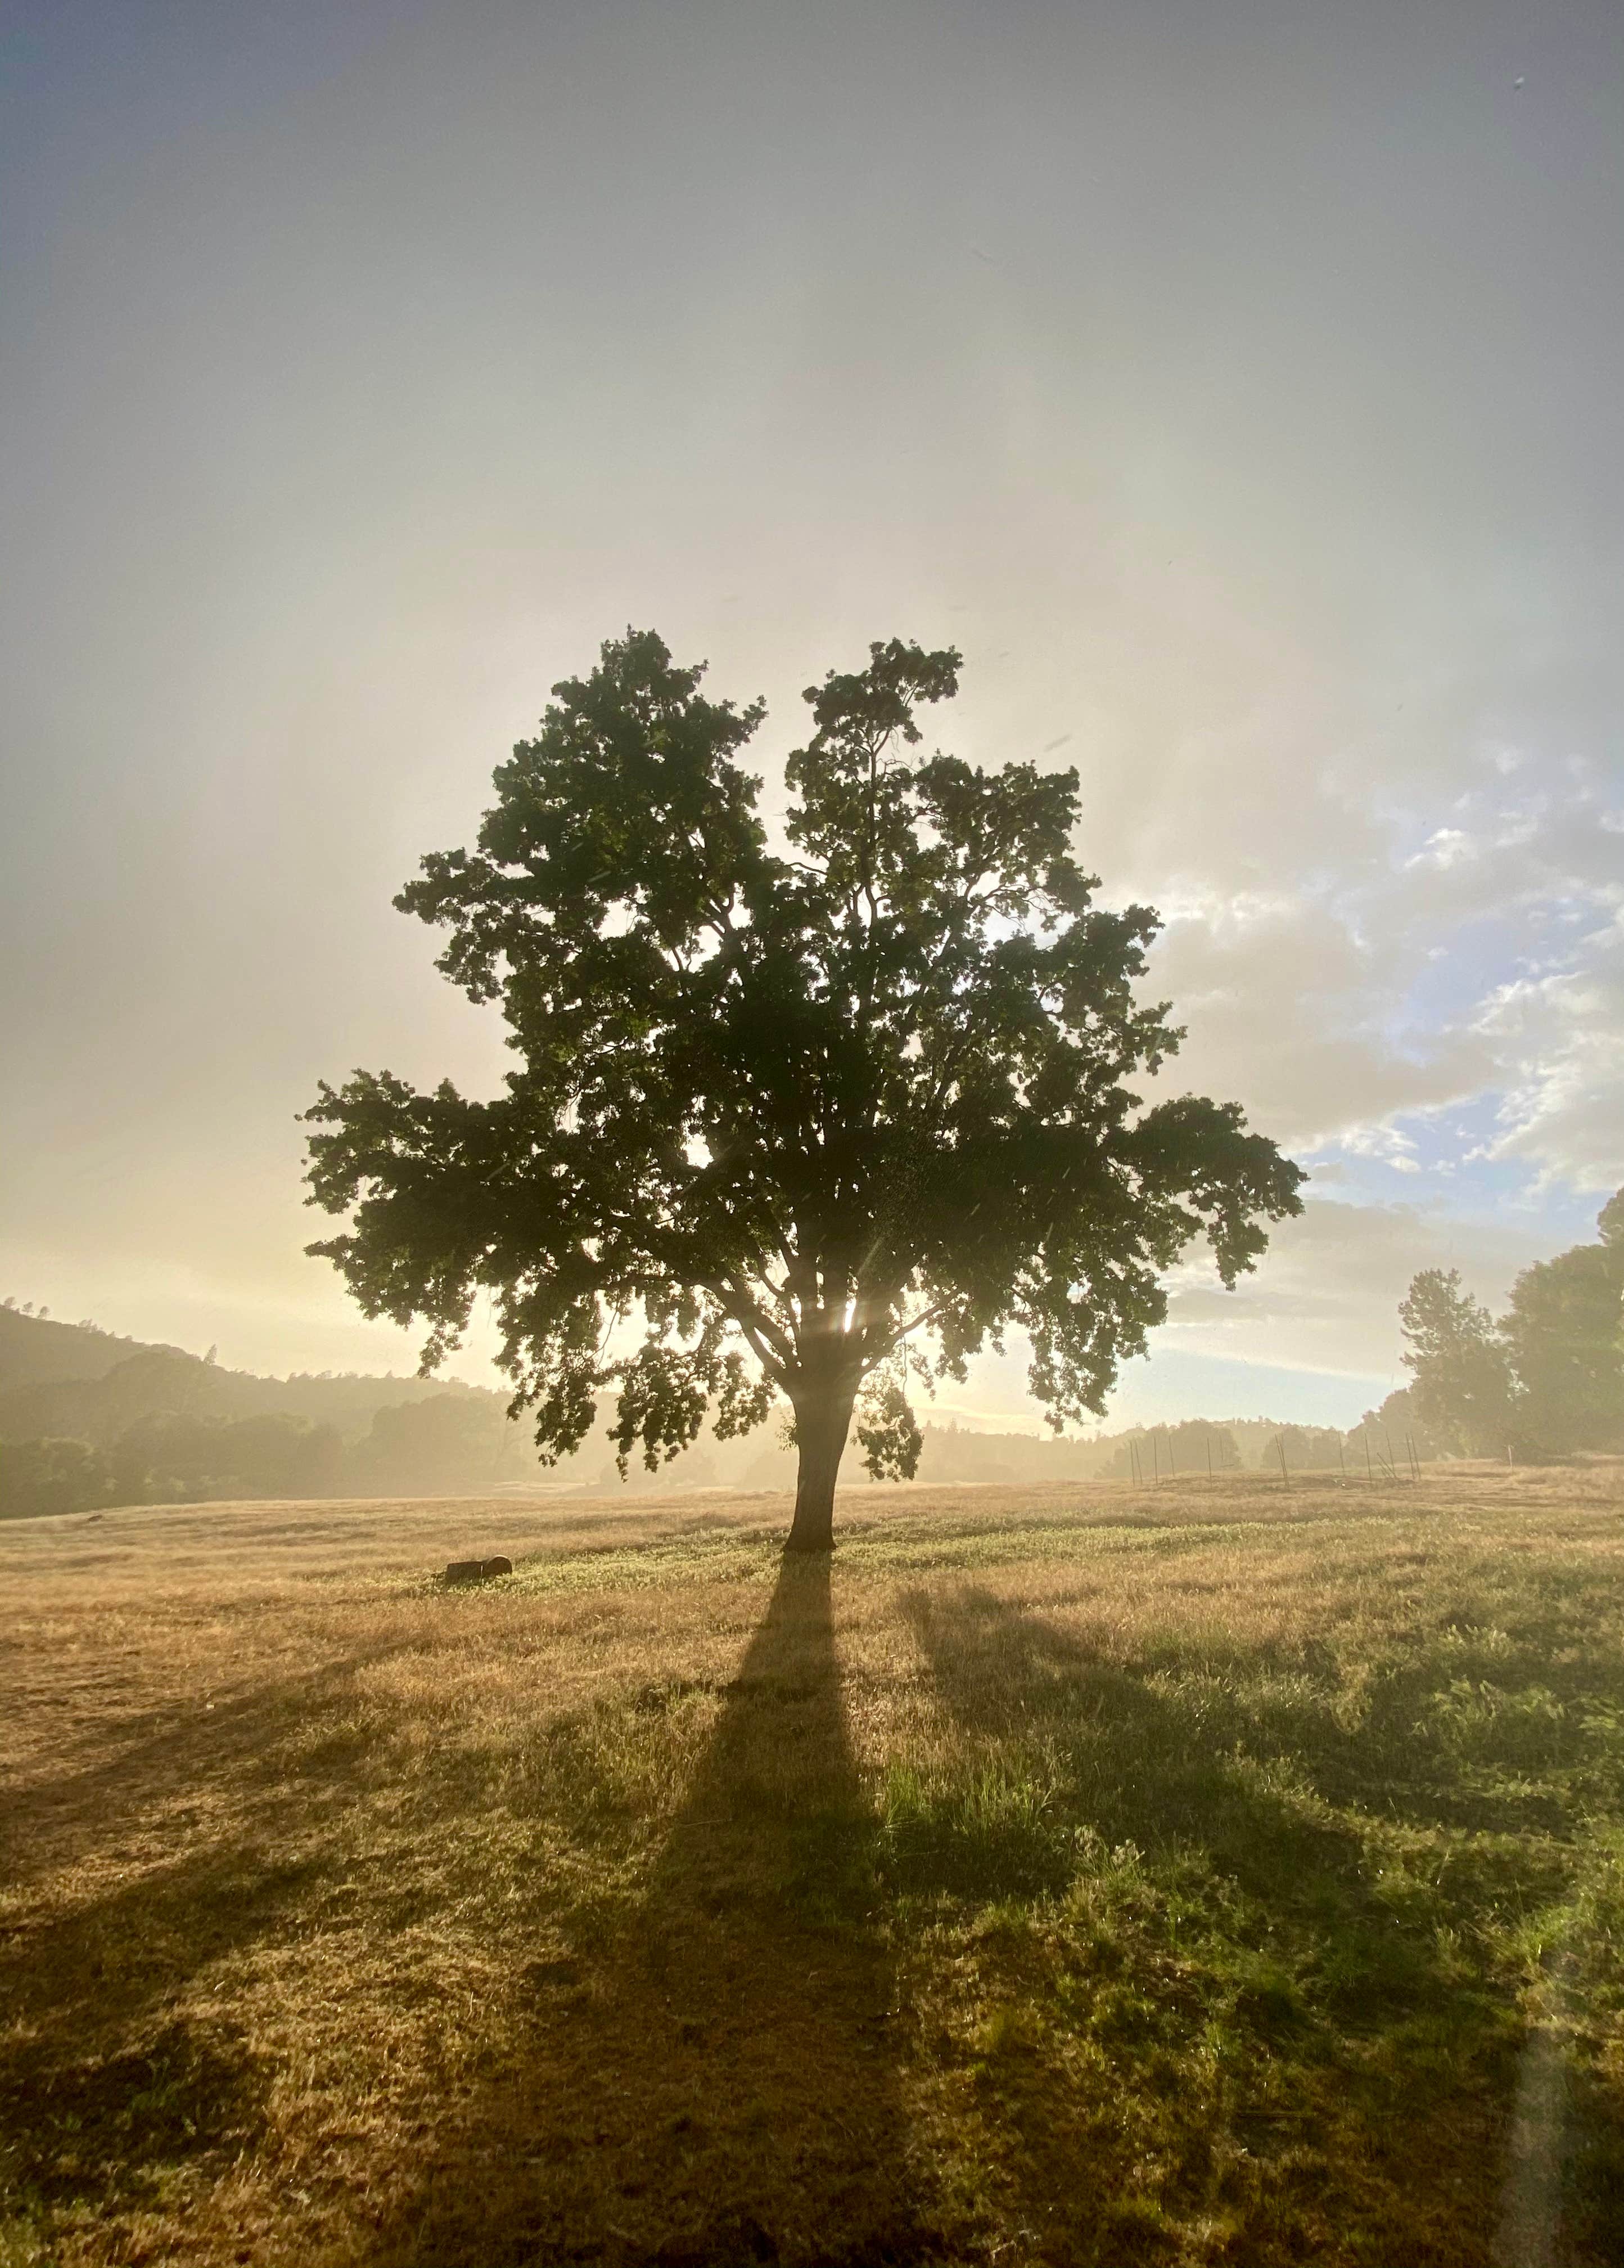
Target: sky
1236,385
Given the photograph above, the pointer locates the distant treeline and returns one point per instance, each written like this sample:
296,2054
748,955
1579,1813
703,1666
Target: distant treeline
1547,1378
433,1447
1387,1436
71,1379
89,1420
954,1454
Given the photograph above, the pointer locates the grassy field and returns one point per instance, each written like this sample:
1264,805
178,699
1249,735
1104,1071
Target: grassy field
1205,1873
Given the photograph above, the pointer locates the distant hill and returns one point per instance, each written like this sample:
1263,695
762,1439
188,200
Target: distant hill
75,1381
87,1419
31,1348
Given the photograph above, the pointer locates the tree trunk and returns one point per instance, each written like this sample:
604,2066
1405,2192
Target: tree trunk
822,1419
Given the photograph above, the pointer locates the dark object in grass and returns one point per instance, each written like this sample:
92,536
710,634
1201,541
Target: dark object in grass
477,1570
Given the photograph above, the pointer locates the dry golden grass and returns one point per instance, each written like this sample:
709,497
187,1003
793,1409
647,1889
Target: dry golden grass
1072,1876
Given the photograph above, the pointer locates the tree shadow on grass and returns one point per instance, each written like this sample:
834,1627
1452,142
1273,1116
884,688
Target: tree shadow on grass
110,2083
1135,1768
1367,2062
114,2077
181,1749
712,2081
112,2128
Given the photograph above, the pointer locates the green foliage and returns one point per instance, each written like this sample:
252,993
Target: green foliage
887,1430
1549,1375
52,1477
1563,1337
1610,1222
783,1112
1386,1429
172,1456
1463,1389
449,1441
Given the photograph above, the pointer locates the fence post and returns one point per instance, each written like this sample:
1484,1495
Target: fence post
1280,1443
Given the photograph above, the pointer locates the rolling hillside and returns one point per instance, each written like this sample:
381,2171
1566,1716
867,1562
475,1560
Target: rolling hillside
74,1380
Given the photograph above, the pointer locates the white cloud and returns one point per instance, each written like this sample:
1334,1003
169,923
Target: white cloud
1345,1012
1327,1293
1561,1040
1287,1009
1448,847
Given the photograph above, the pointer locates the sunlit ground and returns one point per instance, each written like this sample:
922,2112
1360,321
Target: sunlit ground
1214,1872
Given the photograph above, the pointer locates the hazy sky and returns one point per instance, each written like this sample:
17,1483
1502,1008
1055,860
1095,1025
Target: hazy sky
1238,386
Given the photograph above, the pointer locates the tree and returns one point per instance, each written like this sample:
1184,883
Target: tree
1396,1421
419,1448
1463,1392
169,1456
49,1475
278,1453
1564,1334
806,1118
166,1456
1307,1448
1610,1224
1195,1445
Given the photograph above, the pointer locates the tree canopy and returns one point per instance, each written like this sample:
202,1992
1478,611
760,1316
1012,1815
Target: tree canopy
1462,1381
1564,1337
1548,1374
789,1116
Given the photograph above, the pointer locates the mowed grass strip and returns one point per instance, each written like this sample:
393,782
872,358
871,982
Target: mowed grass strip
1214,1872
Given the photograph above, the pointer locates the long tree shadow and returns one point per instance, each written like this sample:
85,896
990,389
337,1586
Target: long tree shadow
105,2086
176,1749
1138,1770
112,2077
713,2080
1362,2042
1156,1764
